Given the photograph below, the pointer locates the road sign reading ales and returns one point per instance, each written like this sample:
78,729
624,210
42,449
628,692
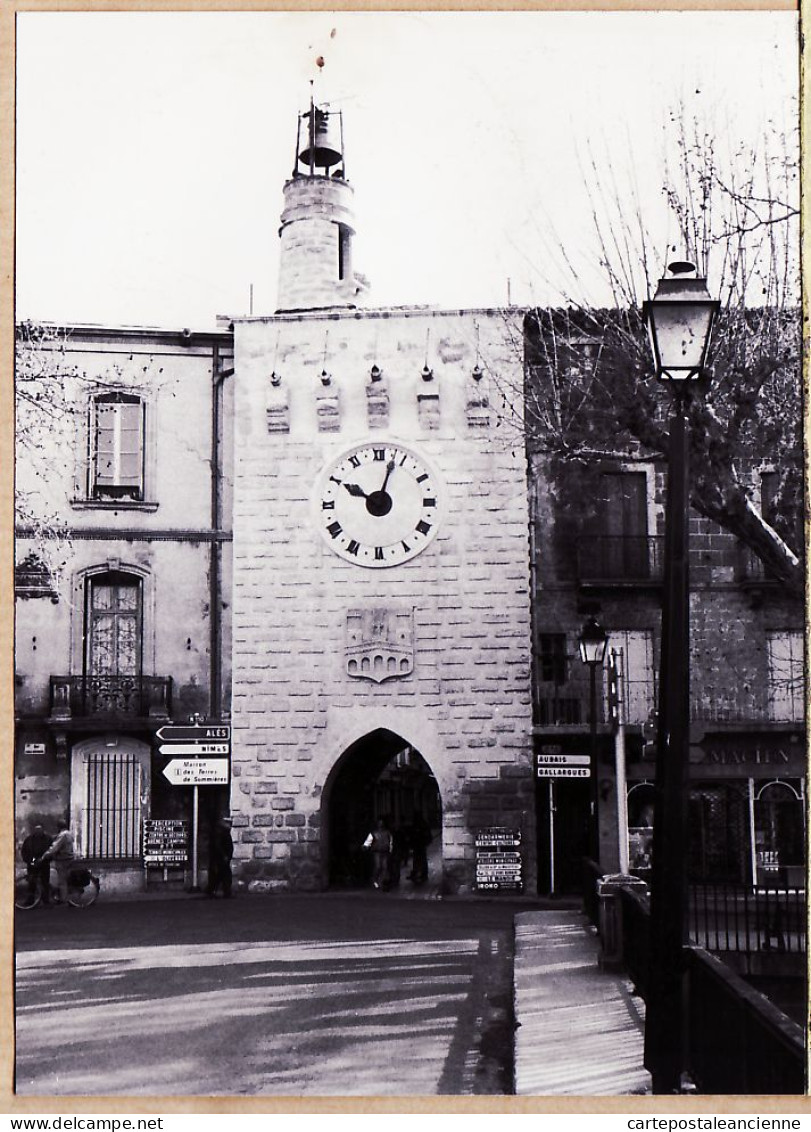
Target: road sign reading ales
205,733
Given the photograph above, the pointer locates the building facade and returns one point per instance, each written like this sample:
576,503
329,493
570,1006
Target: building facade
328,531
123,576
598,543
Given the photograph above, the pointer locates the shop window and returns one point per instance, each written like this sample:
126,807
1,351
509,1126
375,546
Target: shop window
640,828
116,448
779,833
719,841
786,680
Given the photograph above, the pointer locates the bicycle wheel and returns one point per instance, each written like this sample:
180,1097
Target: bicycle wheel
25,896
85,896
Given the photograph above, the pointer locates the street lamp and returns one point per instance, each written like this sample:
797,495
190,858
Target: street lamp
679,319
593,641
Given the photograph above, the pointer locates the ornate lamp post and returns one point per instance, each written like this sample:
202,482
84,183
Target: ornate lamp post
679,319
593,642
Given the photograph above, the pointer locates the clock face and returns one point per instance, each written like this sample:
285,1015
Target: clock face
378,505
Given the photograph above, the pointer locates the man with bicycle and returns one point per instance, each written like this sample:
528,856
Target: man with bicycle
33,851
61,852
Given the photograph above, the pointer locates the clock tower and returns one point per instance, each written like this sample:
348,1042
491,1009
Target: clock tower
381,571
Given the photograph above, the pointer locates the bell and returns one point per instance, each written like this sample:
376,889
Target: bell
325,140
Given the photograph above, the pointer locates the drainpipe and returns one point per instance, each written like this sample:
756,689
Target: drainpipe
215,571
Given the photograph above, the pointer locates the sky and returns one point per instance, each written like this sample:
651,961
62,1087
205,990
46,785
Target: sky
152,148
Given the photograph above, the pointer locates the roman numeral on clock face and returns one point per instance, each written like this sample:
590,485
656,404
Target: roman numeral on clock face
429,502
353,547
380,453
423,527
328,505
378,554
335,529
354,461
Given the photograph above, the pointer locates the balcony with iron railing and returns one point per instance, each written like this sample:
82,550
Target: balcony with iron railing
102,697
770,702
620,560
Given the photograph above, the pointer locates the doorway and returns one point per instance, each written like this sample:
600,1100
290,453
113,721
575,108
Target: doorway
379,776
563,808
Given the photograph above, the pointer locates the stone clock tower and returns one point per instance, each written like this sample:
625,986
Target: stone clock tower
381,566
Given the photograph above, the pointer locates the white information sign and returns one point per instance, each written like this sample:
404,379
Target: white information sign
195,748
197,772
563,760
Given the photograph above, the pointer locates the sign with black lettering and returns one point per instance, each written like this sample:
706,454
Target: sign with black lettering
165,841
499,865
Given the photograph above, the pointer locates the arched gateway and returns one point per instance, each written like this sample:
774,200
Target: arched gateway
379,776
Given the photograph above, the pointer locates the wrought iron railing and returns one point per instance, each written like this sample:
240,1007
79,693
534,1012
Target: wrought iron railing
101,697
561,711
762,702
740,918
738,1042
620,558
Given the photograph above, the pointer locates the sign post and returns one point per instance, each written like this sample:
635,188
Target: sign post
199,755
165,845
498,860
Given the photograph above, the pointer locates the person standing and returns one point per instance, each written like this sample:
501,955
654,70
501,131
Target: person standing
420,840
62,853
219,864
381,846
32,852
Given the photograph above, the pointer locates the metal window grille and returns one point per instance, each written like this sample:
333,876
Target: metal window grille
113,813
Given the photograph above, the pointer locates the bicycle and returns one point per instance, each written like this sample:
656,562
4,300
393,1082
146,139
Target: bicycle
83,890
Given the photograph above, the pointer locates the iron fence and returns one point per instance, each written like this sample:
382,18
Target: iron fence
738,1042
740,918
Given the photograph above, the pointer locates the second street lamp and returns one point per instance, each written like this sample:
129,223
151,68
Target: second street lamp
593,641
679,319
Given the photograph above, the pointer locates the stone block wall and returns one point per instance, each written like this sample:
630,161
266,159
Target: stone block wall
466,706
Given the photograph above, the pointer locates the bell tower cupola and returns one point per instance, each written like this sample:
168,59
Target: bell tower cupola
316,270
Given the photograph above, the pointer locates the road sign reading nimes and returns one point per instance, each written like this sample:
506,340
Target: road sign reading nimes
190,748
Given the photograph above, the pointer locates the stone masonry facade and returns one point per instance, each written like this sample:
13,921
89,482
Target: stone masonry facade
447,385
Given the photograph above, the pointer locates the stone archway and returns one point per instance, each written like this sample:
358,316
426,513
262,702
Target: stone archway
379,775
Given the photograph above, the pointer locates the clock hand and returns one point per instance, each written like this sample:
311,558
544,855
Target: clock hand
389,470
356,490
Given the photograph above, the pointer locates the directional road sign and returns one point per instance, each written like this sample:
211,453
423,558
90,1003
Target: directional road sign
197,772
195,748
206,733
563,772
563,760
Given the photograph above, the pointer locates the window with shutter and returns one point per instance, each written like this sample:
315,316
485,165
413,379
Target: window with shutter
117,447
638,674
786,680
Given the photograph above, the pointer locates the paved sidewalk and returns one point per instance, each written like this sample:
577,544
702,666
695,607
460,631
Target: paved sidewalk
579,1029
